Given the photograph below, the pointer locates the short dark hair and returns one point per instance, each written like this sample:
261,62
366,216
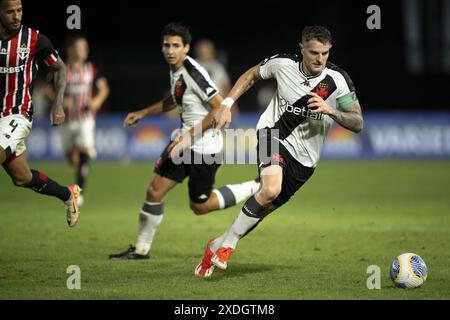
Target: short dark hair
70,40
1,1
320,33
177,29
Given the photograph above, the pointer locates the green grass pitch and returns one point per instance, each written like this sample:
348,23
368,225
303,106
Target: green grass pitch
350,215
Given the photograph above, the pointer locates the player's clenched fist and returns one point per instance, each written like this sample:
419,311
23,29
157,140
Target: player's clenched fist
57,116
222,119
132,119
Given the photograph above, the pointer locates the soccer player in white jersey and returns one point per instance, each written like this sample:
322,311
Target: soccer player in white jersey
198,100
20,50
311,94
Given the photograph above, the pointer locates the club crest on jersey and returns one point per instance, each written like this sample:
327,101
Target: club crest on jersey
23,51
4,52
179,90
278,158
322,91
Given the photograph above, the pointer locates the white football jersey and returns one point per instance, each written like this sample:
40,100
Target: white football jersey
192,89
300,131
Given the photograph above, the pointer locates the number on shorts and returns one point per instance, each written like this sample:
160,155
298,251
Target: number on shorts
14,125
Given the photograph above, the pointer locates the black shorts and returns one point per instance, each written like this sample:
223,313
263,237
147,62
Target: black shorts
201,176
294,173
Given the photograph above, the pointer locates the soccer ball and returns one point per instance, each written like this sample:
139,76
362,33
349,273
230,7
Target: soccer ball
408,270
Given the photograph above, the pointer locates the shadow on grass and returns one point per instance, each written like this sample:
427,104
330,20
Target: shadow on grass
240,270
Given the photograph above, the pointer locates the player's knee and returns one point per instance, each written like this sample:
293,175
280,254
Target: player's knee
199,208
154,195
270,192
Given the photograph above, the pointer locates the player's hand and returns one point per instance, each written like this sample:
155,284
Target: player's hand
132,119
57,115
222,119
317,104
177,146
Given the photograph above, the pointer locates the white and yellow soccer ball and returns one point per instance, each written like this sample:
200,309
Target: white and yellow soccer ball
408,270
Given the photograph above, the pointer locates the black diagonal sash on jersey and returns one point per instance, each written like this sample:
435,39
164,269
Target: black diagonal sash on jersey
288,121
179,90
199,78
20,89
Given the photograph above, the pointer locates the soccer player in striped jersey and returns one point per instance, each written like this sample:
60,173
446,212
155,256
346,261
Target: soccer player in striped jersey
20,49
86,91
198,100
311,94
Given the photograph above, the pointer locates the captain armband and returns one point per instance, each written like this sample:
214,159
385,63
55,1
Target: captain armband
348,100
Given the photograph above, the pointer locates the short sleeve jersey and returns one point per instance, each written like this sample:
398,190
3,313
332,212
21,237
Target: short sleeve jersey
302,133
19,58
192,89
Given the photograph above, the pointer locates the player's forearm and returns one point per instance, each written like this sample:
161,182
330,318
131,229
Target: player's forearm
244,83
199,129
100,98
162,106
60,83
152,110
168,105
352,120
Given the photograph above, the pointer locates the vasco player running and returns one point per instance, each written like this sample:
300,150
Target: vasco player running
311,94
198,100
20,49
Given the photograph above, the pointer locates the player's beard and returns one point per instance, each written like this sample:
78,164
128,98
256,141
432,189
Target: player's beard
9,31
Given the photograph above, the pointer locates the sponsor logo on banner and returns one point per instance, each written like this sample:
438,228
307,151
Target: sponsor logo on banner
410,140
147,142
342,143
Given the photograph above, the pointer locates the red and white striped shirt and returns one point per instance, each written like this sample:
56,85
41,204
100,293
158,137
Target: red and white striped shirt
79,89
18,69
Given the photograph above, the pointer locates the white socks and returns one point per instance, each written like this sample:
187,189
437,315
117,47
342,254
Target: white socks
240,227
230,195
149,219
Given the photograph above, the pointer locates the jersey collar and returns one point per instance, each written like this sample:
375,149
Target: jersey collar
176,73
300,67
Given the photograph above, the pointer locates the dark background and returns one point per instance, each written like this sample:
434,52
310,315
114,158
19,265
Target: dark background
125,43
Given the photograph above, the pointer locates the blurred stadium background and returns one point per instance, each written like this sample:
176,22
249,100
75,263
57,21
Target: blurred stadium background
378,194
401,71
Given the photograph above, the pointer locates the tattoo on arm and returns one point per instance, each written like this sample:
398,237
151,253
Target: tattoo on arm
244,83
60,81
350,119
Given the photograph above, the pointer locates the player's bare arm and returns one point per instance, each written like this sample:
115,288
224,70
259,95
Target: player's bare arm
184,141
162,106
57,115
244,83
351,118
103,93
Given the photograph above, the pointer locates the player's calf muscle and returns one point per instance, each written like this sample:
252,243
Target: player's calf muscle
199,208
202,208
22,180
153,195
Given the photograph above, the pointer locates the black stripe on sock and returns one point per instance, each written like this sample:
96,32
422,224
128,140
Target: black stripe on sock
253,209
153,209
228,196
